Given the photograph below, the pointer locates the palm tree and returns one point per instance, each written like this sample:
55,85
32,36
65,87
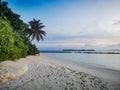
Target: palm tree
34,30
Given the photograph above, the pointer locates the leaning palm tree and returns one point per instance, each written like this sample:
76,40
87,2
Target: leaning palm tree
34,30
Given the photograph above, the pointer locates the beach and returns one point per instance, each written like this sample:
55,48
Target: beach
42,72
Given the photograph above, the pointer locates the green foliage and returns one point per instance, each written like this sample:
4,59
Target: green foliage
20,44
11,44
35,30
32,50
14,18
21,41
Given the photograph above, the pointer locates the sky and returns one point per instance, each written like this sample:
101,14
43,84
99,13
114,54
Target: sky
73,23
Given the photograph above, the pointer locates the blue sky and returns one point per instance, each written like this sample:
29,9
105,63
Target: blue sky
73,23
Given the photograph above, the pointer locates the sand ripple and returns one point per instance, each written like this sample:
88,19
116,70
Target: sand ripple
53,77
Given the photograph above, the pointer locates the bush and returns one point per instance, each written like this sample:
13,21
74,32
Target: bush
18,27
32,49
11,44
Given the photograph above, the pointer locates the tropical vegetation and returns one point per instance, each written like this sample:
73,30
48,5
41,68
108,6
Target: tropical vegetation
15,35
34,30
11,45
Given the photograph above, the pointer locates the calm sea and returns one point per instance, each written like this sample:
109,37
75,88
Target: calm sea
106,60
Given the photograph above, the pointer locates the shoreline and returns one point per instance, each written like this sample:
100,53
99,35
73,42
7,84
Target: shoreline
84,65
110,75
47,73
87,64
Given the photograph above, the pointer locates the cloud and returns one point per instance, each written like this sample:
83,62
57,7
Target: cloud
116,23
77,43
88,25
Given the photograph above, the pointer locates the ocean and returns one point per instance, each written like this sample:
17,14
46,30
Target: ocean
111,61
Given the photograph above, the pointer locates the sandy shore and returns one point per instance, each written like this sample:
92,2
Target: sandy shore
47,73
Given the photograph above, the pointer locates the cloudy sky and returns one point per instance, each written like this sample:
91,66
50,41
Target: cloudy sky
73,23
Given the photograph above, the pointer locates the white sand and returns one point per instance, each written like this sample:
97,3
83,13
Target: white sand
46,73
10,70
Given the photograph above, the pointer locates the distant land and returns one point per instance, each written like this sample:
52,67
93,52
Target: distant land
78,50
91,51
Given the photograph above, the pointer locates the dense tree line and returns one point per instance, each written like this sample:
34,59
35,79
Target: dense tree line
11,44
14,35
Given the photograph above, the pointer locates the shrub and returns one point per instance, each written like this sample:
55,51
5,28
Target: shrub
18,27
11,44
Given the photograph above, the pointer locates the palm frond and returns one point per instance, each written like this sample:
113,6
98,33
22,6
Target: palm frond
33,36
35,31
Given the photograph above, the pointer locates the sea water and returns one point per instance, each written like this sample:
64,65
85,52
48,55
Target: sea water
107,60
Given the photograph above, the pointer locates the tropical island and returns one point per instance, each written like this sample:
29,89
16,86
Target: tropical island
23,67
86,51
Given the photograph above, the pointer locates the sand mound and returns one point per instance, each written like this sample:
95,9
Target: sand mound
10,70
